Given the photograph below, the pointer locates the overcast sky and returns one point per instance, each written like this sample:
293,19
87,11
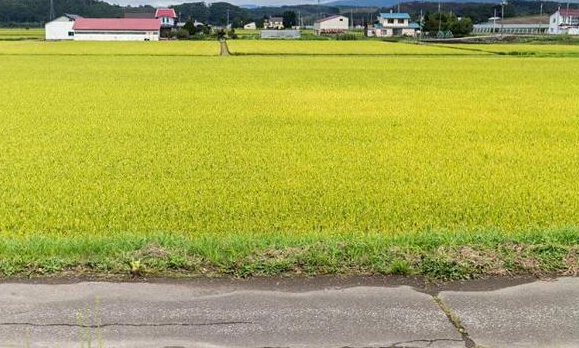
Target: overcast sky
236,2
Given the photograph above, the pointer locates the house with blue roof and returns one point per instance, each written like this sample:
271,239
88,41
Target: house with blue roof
393,24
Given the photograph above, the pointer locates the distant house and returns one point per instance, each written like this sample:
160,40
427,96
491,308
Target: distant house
116,29
167,16
564,22
273,23
393,24
60,28
331,25
250,26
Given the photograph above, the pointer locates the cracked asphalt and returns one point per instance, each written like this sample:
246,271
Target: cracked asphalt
331,312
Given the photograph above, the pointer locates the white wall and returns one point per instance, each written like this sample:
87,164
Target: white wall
167,22
554,22
59,29
398,22
338,23
93,35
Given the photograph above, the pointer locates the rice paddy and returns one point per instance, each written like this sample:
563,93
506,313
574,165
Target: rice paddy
21,34
353,161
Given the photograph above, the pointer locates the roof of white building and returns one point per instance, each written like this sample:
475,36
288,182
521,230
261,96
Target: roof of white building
165,12
569,13
391,15
70,17
329,18
116,24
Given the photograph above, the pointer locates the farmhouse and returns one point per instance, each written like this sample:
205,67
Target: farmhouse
273,23
250,26
393,24
116,29
60,28
331,25
167,16
564,22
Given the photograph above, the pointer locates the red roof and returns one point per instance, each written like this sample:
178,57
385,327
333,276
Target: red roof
569,13
165,12
116,24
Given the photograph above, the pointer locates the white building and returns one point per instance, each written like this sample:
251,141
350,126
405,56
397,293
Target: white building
331,25
167,16
510,28
564,22
273,23
60,28
250,26
116,29
393,24
280,34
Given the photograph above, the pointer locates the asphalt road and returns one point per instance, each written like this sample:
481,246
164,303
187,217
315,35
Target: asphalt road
324,312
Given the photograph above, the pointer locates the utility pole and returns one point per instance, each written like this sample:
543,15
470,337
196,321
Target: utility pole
541,20
503,3
51,14
227,19
351,20
420,23
558,15
439,19
495,22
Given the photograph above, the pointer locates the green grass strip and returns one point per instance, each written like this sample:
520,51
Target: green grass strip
440,255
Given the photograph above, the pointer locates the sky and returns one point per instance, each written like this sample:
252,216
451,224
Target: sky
159,3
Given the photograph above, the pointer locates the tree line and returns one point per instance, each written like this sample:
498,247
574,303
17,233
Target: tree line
36,12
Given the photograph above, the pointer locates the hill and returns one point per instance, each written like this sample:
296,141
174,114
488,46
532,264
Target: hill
388,3
35,12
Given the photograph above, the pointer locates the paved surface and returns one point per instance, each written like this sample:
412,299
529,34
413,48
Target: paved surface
274,314
541,314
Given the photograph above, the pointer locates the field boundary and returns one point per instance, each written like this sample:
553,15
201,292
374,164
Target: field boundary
513,53
441,255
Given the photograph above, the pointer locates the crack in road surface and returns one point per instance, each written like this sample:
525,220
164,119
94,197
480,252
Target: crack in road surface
455,321
405,344
97,326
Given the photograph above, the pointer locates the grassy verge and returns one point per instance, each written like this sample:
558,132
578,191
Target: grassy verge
439,255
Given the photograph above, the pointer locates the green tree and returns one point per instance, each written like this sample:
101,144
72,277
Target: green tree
190,27
446,21
435,21
289,19
461,27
